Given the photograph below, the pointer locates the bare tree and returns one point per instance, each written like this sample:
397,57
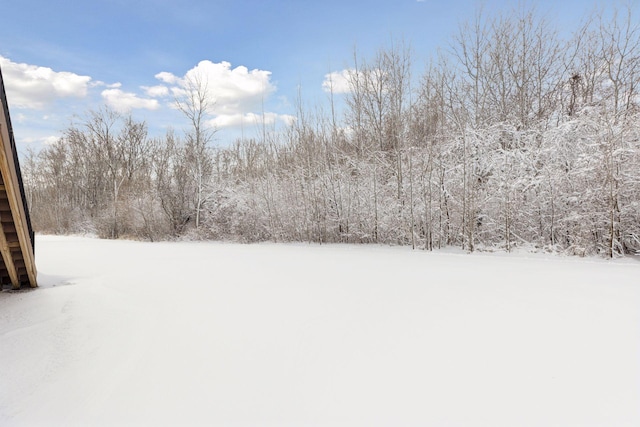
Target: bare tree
196,103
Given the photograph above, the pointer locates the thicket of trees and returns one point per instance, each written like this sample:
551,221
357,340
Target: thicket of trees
513,136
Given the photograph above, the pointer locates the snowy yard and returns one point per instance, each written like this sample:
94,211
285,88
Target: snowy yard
178,334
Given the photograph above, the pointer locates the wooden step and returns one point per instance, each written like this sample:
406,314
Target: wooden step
9,227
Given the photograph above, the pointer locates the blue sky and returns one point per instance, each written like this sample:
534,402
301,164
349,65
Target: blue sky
60,59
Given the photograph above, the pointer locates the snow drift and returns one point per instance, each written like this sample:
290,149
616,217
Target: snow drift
130,333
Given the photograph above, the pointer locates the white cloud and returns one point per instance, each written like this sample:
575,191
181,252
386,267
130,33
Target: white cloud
127,101
338,81
249,120
231,91
343,81
50,140
158,91
236,95
98,83
39,140
167,78
31,86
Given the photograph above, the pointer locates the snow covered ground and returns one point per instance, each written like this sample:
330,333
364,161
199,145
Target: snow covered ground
175,334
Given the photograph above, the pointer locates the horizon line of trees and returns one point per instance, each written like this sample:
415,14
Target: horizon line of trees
512,137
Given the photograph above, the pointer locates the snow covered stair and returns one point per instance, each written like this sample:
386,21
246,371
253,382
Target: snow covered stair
17,265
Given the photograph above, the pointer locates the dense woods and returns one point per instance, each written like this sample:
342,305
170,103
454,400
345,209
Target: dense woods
512,136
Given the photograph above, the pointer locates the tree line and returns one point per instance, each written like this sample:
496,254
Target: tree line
512,136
